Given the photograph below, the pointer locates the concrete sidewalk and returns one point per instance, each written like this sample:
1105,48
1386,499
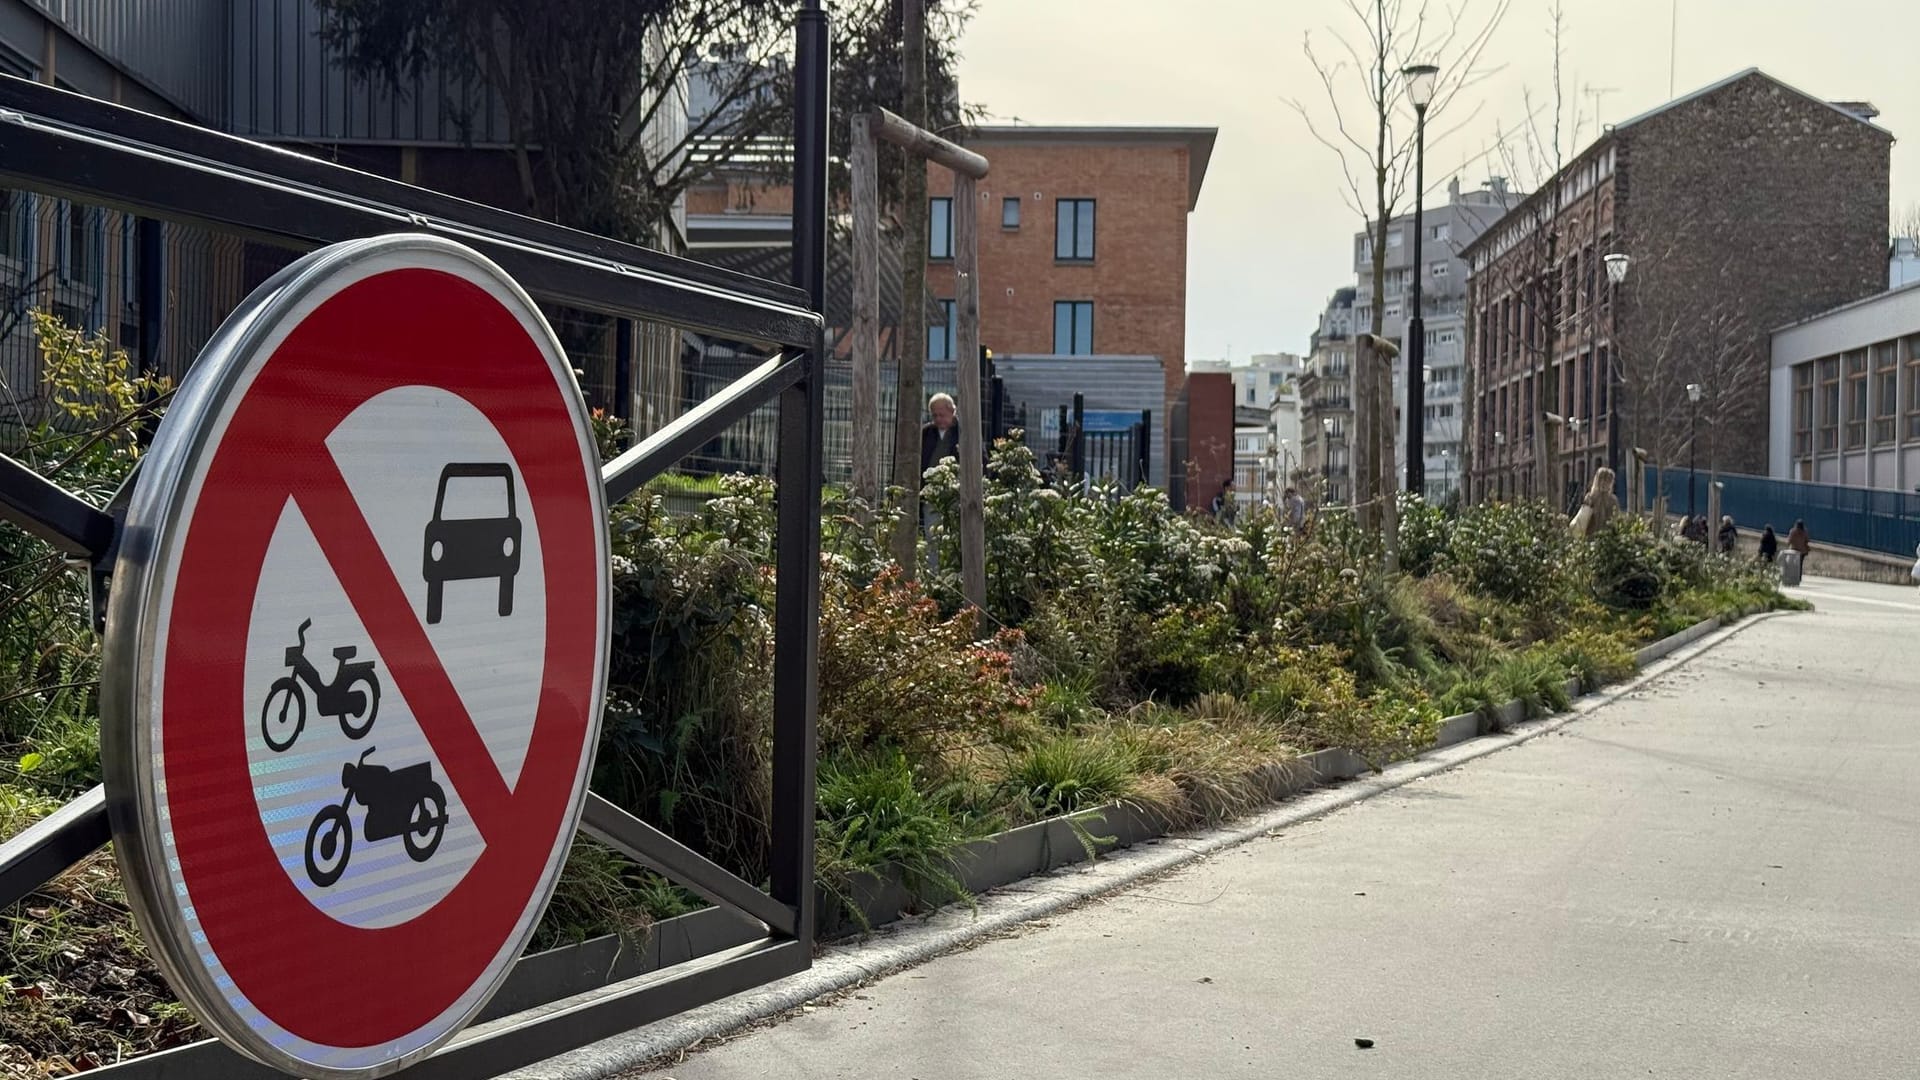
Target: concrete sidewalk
1713,877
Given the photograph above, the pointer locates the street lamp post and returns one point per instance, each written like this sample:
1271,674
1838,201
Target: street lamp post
1326,457
1500,458
1694,392
1420,79
1617,263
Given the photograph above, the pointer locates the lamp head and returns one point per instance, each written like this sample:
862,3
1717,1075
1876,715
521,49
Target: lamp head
1617,264
1420,79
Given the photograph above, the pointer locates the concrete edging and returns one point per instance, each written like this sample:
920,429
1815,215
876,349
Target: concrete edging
915,941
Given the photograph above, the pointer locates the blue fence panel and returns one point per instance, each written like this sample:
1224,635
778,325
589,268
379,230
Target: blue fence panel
1868,518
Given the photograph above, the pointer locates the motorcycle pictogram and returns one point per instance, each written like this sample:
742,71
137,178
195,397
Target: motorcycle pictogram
353,695
406,802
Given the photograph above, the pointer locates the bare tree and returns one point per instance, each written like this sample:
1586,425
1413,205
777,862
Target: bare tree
1906,224
913,311
1368,125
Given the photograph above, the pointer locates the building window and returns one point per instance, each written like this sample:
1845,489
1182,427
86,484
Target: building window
1438,269
1856,399
1830,404
1913,387
1802,410
940,338
1010,213
1366,250
1442,231
1393,239
1393,311
1073,327
1073,230
939,228
1886,391
14,223
1573,284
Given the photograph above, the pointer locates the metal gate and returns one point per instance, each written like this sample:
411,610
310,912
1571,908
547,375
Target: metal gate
71,147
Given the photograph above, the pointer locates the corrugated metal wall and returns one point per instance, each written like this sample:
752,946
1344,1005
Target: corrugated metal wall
286,84
178,46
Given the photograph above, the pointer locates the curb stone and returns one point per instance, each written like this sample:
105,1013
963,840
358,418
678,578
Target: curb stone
899,946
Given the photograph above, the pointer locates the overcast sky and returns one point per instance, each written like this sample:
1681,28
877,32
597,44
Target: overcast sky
1270,238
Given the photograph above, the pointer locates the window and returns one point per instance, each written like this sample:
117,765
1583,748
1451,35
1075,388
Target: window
1393,310
1010,213
1856,399
1073,230
1393,239
1442,231
14,220
1438,269
1573,284
1252,395
1913,387
940,338
1073,327
1886,391
1830,403
1366,250
939,228
1803,410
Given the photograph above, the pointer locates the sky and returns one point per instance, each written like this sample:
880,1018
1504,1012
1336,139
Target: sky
1271,237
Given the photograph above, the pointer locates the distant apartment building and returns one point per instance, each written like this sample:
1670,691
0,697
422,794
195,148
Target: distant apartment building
1903,262
1326,402
1266,410
1083,253
1741,207
1446,230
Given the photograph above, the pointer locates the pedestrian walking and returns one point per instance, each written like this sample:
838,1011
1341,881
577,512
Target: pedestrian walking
1295,509
1769,544
1598,506
1797,541
1226,505
1729,535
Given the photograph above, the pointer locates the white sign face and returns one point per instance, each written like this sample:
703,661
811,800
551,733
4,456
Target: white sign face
362,637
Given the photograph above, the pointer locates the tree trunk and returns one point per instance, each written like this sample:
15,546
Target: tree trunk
966,311
913,298
866,314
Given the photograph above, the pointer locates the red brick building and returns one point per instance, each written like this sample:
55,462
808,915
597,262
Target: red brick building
1083,243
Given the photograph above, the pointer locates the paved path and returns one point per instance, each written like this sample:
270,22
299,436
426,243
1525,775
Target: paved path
1718,876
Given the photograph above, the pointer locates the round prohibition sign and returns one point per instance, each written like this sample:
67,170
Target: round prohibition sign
383,452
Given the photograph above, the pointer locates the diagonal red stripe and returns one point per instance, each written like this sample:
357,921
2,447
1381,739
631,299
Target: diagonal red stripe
363,571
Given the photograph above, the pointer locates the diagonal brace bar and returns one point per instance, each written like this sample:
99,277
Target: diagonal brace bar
654,849
52,844
53,513
658,451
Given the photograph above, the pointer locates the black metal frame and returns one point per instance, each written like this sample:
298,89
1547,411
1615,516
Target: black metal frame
74,147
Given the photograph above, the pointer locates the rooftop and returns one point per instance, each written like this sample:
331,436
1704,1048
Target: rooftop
1198,141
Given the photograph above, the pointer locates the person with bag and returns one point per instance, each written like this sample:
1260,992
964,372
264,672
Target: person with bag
1769,544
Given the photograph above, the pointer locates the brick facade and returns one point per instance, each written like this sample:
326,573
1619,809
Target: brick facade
1743,207
1144,183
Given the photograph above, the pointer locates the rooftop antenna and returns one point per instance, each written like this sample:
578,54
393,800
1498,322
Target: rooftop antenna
1596,93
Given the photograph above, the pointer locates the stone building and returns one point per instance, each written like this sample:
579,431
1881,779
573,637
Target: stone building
1741,207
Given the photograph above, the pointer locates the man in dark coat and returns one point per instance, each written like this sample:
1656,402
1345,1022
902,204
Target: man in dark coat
939,439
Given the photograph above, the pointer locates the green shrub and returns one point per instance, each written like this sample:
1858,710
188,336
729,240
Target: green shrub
1065,774
1518,553
876,811
1630,570
1425,533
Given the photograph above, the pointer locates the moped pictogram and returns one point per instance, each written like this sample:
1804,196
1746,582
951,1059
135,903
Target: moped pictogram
353,695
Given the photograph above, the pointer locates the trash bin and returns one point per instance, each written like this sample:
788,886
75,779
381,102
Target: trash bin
1789,568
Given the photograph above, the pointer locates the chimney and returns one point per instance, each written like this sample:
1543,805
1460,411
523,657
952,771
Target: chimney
1862,109
1453,190
1497,185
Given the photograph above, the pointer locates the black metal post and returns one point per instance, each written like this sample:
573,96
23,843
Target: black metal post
623,369
1066,436
1145,446
997,410
1693,435
150,239
1417,326
797,600
1079,447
